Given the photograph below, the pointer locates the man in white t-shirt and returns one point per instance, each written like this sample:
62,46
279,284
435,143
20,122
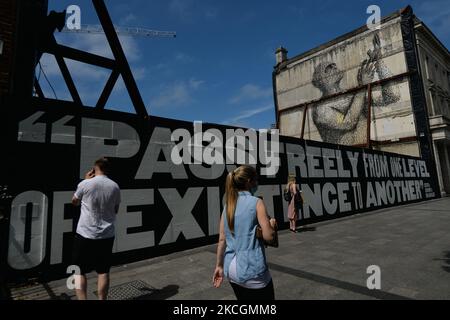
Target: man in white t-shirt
99,197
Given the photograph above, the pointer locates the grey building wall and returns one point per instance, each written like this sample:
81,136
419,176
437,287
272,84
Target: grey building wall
434,60
322,94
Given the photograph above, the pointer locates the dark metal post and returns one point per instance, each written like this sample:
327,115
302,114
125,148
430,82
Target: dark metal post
119,56
305,110
30,13
107,89
369,114
416,88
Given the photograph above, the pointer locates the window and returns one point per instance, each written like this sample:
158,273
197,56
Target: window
435,103
448,81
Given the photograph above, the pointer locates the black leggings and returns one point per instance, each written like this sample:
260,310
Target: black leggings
266,293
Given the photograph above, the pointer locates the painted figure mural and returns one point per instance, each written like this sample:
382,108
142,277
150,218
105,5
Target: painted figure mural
343,119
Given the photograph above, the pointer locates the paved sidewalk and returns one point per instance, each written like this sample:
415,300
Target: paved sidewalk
328,260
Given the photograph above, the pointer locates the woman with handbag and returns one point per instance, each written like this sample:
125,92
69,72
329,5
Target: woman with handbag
295,199
240,253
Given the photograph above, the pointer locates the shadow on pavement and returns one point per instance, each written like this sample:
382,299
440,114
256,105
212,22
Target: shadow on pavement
306,229
159,294
147,294
140,290
446,260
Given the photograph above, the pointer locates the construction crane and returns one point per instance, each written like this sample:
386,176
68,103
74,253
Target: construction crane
125,31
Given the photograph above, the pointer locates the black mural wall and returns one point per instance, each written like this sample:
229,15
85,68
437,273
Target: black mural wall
48,145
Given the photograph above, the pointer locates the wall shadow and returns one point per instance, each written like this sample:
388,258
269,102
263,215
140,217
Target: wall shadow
446,260
306,229
159,294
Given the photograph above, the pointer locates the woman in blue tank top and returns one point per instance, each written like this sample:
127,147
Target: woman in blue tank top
240,253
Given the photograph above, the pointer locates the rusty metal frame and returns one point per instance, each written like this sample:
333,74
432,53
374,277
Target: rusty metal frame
384,142
368,87
369,113
305,111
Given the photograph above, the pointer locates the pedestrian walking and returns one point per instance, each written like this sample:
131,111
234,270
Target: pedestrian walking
294,197
99,198
241,254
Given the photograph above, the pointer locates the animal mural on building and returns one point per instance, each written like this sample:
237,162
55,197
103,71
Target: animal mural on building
343,119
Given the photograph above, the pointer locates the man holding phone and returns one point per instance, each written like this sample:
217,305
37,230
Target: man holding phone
99,197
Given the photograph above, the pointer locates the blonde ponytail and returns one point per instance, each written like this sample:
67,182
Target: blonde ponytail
231,196
236,180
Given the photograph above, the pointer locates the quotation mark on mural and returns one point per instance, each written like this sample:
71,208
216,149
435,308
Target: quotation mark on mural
374,280
73,282
374,20
33,129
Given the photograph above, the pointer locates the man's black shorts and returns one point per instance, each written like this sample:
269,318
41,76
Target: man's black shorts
92,254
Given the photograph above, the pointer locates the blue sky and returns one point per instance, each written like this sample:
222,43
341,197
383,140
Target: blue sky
218,69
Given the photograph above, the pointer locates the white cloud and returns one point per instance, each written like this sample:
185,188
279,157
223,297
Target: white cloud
85,72
177,94
173,95
195,84
248,114
89,79
211,13
251,92
181,8
131,48
189,10
183,57
161,66
126,20
138,72
80,72
97,44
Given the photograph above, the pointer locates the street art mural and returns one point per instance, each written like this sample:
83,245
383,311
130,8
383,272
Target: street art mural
343,120
168,205
324,95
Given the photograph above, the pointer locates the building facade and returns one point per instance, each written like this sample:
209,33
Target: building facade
386,89
434,60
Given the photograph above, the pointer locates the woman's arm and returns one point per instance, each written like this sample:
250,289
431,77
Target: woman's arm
263,219
221,244
218,272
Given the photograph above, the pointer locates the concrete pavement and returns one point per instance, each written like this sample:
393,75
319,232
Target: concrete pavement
327,260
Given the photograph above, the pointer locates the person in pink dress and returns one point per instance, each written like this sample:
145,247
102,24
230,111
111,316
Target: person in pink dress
294,203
